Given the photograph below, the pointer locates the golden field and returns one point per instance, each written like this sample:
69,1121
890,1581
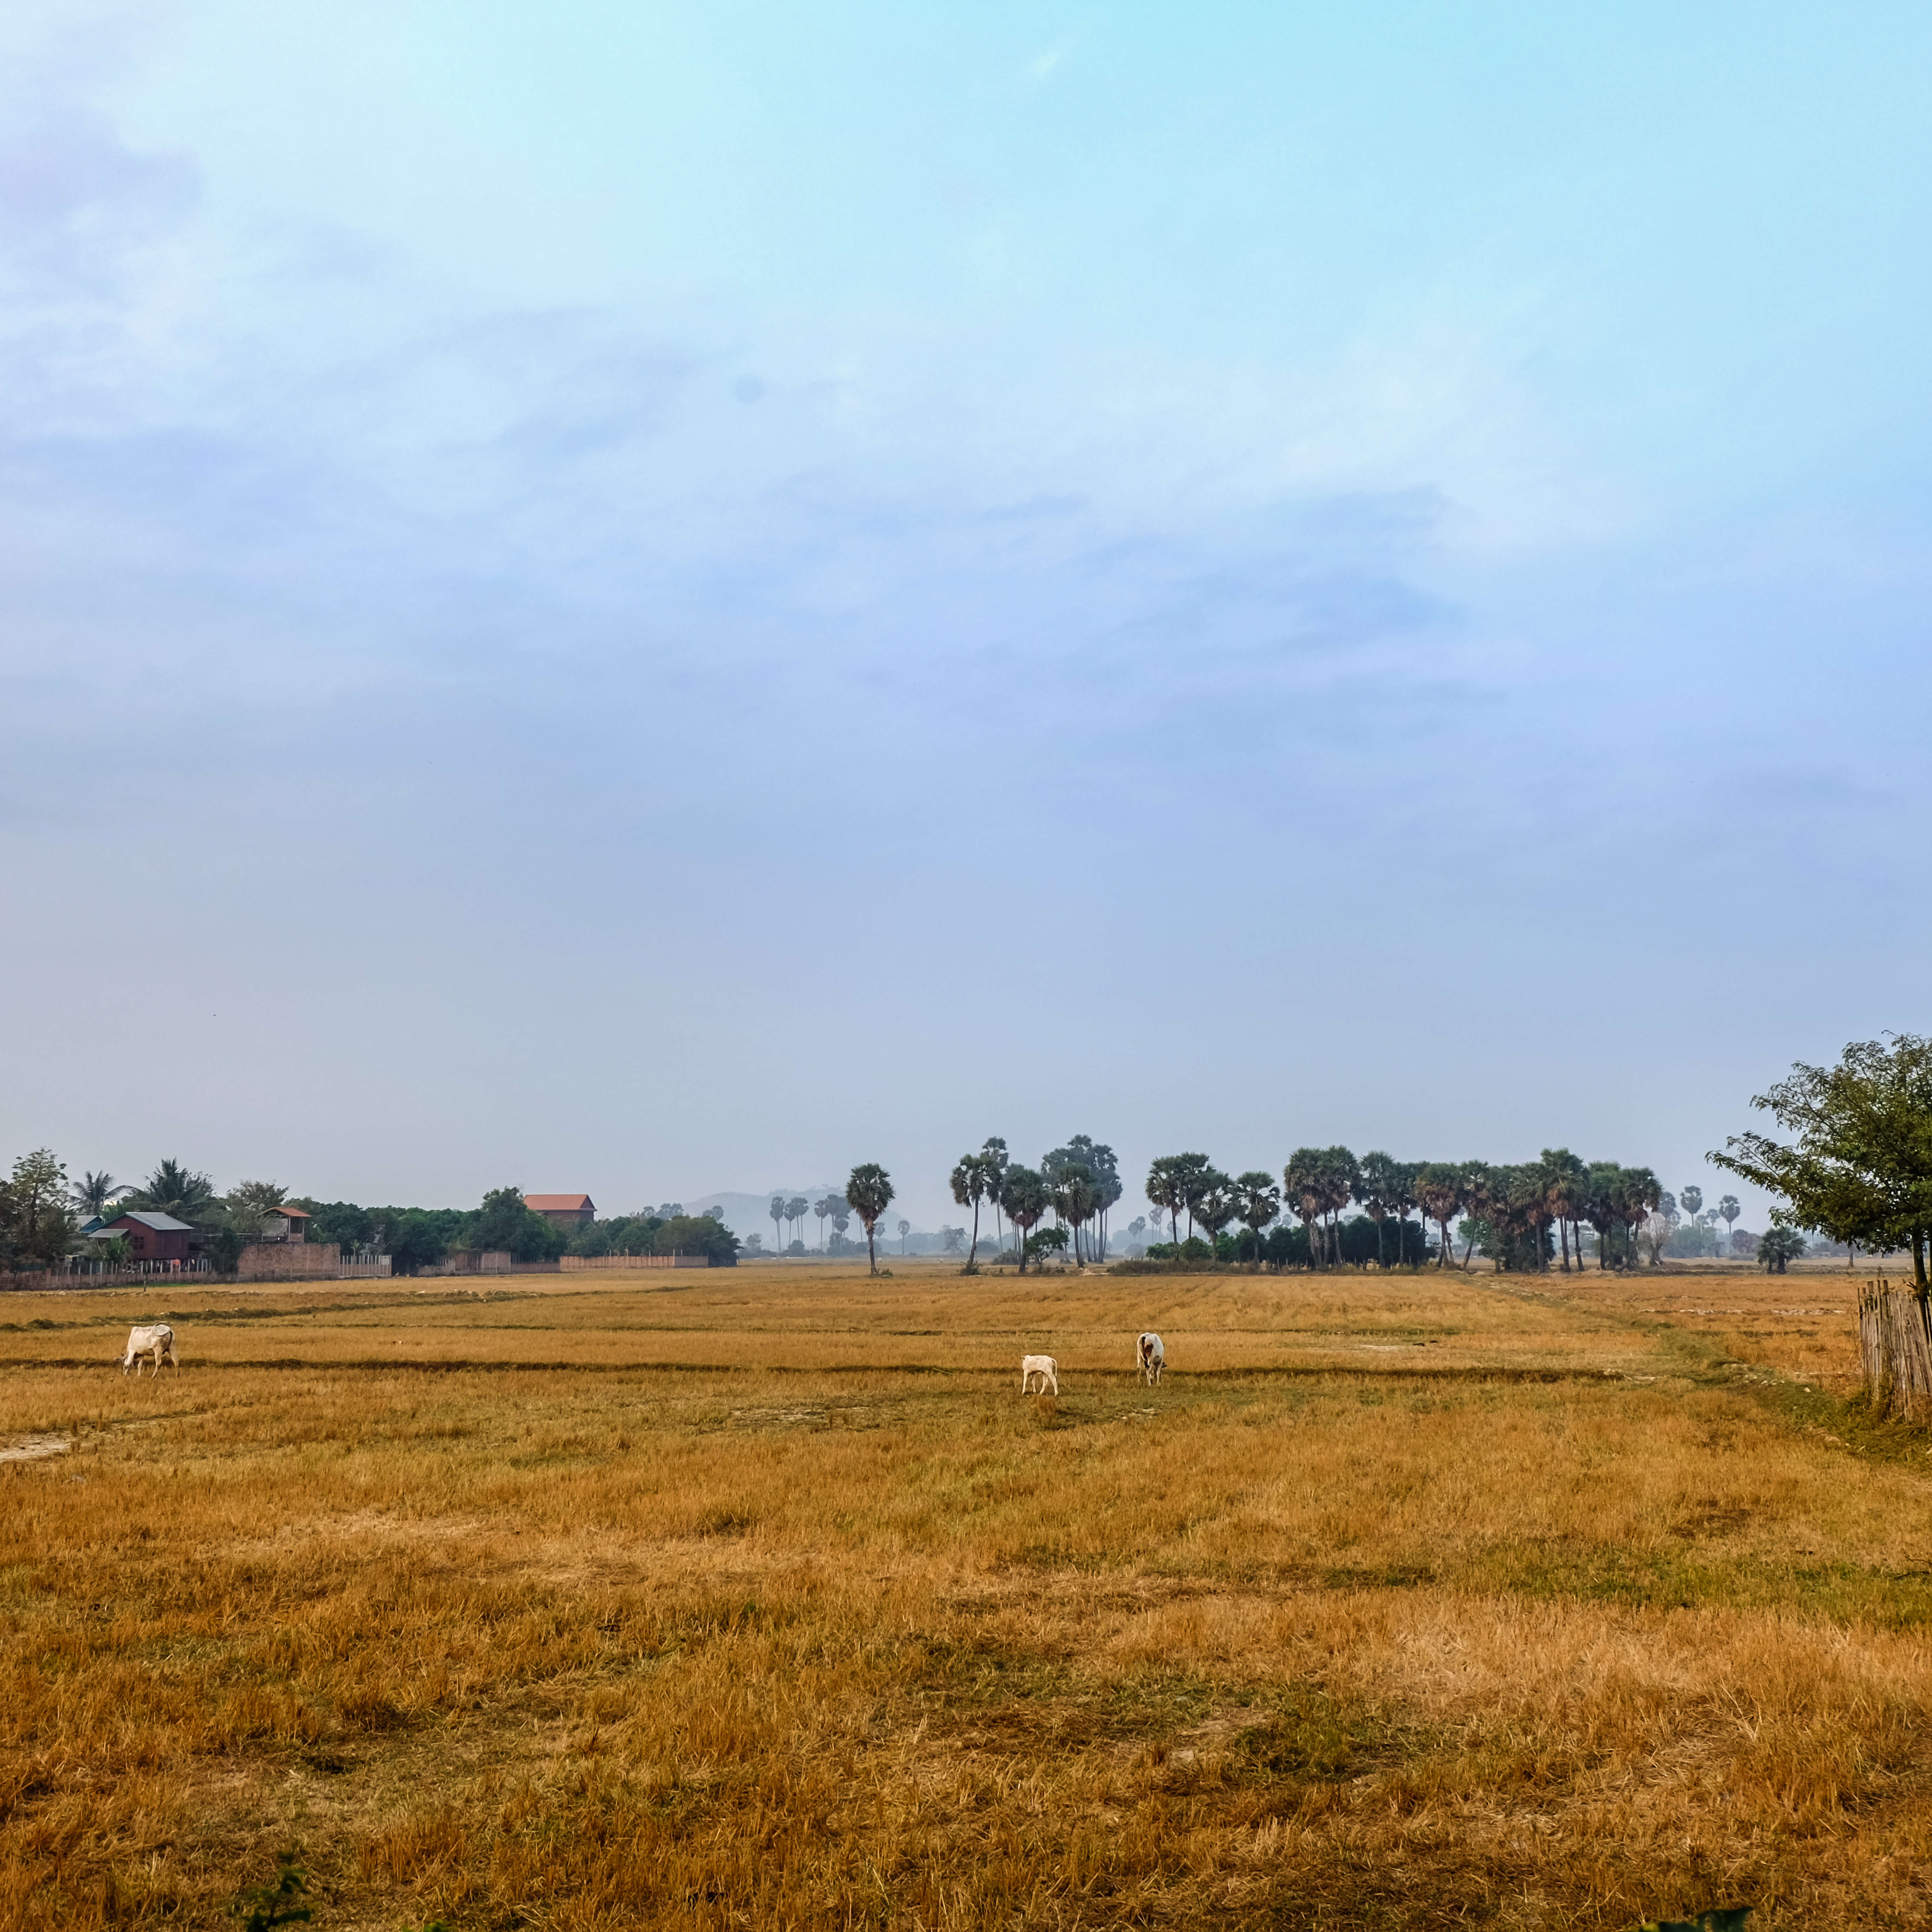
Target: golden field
760,1597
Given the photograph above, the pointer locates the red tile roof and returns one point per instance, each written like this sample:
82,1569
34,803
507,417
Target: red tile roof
554,1203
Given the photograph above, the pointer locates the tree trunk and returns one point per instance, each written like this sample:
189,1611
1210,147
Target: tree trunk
872,1258
973,1253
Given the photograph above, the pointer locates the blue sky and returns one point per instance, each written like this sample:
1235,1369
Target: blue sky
659,599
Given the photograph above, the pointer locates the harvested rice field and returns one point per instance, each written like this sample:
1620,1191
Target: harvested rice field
761,1597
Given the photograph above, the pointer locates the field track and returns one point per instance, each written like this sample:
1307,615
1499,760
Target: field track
761,1597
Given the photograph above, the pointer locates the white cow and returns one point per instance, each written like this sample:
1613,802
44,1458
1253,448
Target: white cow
1152,1353
157,1341
1044,1366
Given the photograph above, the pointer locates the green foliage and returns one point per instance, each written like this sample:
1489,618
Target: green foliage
868,1193
36,1223
1025,1196
1777,1245
173,1188
1859,1166
264,1907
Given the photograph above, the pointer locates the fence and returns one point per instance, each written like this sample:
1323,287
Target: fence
571,1263
1895,1348
96,1274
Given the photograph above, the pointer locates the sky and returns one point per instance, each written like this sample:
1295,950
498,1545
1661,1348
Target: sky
656,599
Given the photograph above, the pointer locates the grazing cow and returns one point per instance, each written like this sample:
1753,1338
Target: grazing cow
1044,1366
157,1341
1153,1354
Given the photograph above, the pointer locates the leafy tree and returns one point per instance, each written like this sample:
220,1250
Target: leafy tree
694,1234
1777,1245
869,1193
1025,1196
1859,1168
973,1182
500,1221
248,1201
951,1240
95,1193
36,1223
1048,1241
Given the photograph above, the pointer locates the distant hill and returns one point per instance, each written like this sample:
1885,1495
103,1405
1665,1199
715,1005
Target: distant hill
748,1213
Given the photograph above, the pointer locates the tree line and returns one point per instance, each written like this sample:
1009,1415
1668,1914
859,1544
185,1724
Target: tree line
42,1214
1526,1216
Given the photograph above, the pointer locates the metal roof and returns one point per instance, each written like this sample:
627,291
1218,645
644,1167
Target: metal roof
162,1224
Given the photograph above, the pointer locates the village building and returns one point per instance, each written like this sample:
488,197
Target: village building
567,1211
150,1236
284,1224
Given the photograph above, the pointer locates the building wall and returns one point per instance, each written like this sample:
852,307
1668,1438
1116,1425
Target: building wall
268,1261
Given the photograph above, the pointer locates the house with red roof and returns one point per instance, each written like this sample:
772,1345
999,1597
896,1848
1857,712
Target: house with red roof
567,1211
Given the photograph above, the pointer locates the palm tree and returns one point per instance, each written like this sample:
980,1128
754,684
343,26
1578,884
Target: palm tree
777,1212
1439,1194
1260,1201
868,1194
172,1189
994,1153
1302,1189
1381,1193
905,1228
1217,1205
1567,1188
1691,1200
828,1206
1167,1181
95,1193
1025,1197
796,1209
971,1184
1729,1210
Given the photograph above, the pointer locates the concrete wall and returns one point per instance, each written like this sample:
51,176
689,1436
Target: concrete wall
289,1261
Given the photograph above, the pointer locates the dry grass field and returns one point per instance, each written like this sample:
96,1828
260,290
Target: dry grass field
762,1598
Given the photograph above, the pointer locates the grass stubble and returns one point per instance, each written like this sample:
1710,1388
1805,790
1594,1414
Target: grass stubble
767,1601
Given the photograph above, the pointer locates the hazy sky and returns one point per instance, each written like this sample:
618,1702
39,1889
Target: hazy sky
657,598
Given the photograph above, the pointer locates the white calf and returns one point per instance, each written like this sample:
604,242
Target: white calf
157,1341
1153,1354
1044,1366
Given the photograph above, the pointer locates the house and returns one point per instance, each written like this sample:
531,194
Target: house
151,1238
567,1211
284,1224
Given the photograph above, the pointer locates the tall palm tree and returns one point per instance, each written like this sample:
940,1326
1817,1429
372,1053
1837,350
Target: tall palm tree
905,1228
1025,1197
95,1193
796,1209
1439,1194
1304,1190
1216,1204
824,1209
868,1193
1729,1210
971,1184
777,1212
1566,1188
1381,1192
1259,1203
1169,1181
993,1152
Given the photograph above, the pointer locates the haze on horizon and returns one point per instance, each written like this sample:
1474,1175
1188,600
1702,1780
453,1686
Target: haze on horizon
610,597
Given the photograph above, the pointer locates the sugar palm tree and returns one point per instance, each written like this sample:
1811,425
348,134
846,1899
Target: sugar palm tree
972,1182
1025,1197
868,1194
777,1212
905,1228
1259,1203
1217,1203
796,1209
1729,1210
824,1209
1302,1189
994,1154
1381,1194
1440,1195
